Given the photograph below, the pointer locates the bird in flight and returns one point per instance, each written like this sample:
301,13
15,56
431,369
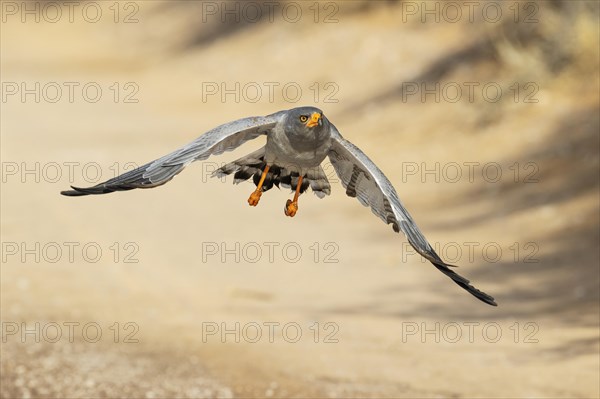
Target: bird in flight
298,141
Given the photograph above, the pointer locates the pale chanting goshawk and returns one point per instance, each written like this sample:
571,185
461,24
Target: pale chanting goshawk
298,141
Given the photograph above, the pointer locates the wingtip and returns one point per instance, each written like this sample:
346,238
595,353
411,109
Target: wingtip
465,283
75,192
483,297
487,299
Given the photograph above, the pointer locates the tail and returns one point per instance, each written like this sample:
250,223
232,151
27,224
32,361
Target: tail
252,166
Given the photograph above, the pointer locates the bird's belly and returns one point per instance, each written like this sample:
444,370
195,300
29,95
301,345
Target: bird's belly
281,152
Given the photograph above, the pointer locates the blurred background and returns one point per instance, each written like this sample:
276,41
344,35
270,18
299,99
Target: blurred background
484,115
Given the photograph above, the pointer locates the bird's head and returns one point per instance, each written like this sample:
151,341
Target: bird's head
306,121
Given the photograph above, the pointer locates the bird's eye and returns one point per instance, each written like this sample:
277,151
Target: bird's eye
303,118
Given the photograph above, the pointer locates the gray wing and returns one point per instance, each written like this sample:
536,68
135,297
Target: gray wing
364,180
218,140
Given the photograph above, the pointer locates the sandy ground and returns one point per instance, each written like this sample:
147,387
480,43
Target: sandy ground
195,294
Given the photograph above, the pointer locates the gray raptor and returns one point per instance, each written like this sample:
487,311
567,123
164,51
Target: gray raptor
298,140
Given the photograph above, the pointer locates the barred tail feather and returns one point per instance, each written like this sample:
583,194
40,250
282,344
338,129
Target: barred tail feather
252,166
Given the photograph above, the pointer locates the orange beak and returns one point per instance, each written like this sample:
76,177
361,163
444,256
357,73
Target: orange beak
314,120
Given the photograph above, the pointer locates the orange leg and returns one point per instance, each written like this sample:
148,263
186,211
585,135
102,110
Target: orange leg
291,207
255,196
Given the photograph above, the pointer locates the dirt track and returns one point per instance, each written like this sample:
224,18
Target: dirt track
362,301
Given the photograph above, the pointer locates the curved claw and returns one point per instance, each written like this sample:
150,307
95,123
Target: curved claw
291,207
254,198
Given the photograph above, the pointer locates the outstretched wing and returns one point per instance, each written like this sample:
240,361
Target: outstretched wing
223,138
364,180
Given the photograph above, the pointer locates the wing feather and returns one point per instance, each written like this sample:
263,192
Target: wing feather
364,180
158,172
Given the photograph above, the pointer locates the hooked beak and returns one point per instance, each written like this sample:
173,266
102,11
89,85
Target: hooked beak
314,120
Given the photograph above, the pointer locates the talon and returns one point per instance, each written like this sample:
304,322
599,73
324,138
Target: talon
254,198
291,208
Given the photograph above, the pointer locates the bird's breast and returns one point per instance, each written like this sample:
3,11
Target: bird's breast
307,150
